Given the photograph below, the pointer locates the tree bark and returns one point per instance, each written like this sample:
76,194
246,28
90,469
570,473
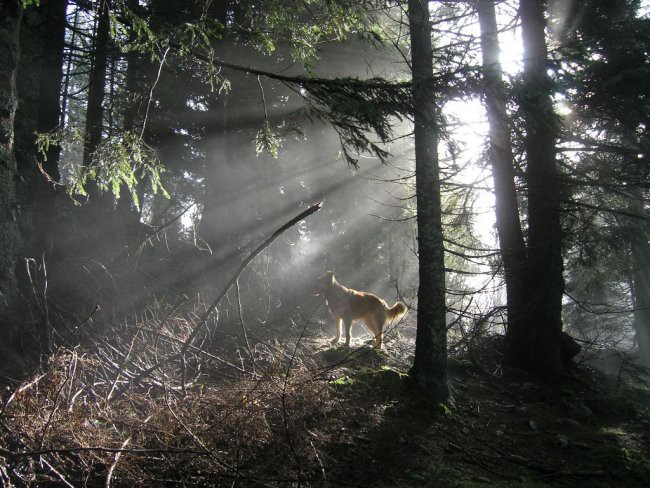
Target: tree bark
511,240
429,371
640,251
97,85
39,85
10,19
535,344
129,216
49,112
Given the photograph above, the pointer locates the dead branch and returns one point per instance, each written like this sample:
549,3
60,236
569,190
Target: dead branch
314,208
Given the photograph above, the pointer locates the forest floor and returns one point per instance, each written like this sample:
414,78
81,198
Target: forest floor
593,429
309,414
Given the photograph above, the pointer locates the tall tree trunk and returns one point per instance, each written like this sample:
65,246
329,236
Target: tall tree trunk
429,371
10,19
39,86
511,240
49,112
97,85
535,344
128,214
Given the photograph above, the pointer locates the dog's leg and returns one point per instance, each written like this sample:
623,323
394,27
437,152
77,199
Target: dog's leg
379,340
348,326
380,322
338,326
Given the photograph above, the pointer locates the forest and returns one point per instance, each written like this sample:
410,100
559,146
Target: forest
208,209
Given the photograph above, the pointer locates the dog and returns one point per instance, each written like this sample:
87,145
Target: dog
347,305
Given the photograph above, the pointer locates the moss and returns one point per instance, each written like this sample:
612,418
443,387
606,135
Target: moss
386,379
342,382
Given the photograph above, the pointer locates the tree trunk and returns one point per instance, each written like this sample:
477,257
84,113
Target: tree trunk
49,113
640,250
97,85
641,282
535,344
511,240
129,216
39,86
10,18
429,371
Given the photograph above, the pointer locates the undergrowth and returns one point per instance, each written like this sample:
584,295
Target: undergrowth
126,410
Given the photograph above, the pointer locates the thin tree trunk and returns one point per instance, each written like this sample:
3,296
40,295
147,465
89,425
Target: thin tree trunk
429,371
640,274
535,344
128,214
68,69
641,282
511,240
10,19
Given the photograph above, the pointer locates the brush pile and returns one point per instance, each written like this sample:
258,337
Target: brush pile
127,409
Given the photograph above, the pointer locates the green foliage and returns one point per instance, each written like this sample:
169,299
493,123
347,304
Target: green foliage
119,160
357,108
303,25
266,140
269,139
342,382
187,35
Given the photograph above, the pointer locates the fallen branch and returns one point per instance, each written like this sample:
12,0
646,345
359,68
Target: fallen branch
204,318
242,267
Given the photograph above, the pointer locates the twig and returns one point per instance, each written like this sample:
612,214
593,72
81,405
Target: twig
320,462
198,440
78,326
56,472
153,87
68,450
20,390
122,367
114,464
162,227
243,325
69,377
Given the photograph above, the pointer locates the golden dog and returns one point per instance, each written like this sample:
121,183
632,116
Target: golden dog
347,305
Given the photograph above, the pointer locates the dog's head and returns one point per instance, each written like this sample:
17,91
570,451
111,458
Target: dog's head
324,282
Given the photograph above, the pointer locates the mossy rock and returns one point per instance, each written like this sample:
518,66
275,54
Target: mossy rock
386,379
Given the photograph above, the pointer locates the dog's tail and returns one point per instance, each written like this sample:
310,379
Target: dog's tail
397,311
